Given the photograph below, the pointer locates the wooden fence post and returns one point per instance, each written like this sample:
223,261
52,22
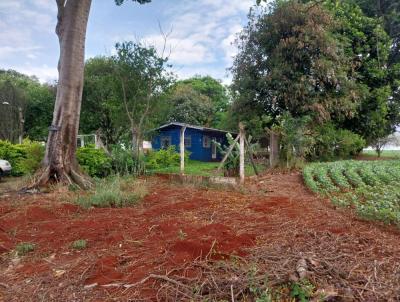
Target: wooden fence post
182,149
241,148
273,149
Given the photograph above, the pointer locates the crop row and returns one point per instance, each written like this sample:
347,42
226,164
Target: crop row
370,187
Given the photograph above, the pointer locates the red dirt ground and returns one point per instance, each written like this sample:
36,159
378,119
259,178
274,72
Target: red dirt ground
173,226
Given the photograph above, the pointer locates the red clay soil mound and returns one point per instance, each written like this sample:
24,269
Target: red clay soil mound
105,271
6,243
215,241
37,214
269,205
188,250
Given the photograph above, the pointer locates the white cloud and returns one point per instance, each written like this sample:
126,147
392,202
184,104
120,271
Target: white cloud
202,35
21,23
44,73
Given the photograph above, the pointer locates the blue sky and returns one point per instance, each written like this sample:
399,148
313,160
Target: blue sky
200,40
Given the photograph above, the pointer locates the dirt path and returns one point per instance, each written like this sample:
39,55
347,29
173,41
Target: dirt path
276,219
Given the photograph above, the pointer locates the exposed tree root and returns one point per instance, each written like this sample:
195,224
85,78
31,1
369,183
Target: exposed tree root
44,177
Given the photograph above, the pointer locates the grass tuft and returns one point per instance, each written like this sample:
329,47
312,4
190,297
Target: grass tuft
24,248
79,244
114,192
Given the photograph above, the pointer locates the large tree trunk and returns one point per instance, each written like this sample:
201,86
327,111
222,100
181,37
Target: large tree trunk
60,162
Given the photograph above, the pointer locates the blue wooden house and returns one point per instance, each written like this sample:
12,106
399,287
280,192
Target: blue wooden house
199,141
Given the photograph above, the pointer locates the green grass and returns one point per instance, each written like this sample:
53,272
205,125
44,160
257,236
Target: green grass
79,244
385,153
194,167
113,192
370,187
24,248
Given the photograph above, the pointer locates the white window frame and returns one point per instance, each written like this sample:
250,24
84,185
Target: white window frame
206,141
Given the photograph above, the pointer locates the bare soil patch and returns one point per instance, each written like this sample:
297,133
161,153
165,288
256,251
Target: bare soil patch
182,238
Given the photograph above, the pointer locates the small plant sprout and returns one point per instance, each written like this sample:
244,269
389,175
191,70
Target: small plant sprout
79,244
24,248
182,235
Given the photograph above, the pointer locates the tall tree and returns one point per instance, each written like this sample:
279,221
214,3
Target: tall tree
368,47
187,105
216,92
101,101
143,78
288,61
60,161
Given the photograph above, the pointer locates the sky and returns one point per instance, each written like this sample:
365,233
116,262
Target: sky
200,38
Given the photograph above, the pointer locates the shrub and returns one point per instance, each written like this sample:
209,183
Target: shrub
231,165
79,244
94,161
123,162
334,143
114,192
349,144
24,158
24,248
164,158
295,138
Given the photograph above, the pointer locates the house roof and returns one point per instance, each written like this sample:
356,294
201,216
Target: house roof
192,126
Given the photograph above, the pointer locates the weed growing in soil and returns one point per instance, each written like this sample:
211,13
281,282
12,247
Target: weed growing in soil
79,244
114,192
182,235
370,187
24,248
302,290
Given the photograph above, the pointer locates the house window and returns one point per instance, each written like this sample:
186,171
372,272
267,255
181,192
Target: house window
165,142
188,141
206,141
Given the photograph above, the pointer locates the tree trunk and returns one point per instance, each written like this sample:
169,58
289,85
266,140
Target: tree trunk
60,162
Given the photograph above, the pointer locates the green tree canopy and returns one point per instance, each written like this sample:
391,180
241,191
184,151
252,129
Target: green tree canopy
218,95
188,105
35,100
290,62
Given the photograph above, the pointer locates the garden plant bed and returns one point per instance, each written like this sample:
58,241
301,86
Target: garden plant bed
183,242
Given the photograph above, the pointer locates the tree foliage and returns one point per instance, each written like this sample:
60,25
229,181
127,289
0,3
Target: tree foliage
330,60
143,76
100,101
200,100
35,100
290,62
187,105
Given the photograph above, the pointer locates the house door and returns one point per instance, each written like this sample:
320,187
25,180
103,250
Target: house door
214,149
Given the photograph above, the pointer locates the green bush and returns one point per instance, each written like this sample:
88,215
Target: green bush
231,165
164,158
24,158
332,143
94,161
296,139
123,162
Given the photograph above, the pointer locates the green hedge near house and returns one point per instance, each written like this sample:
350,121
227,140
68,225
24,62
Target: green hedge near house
164,158
94,162
24,158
